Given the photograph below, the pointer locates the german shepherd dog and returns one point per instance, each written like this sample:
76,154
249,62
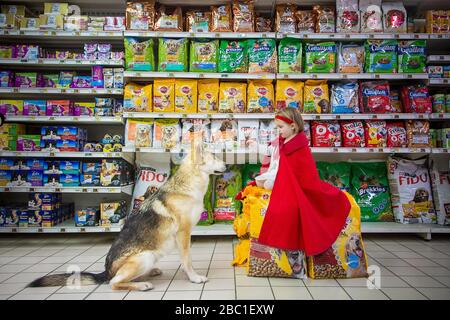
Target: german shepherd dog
163,221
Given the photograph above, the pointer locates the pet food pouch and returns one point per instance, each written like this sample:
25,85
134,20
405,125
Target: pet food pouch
169,19
248,134
267,133
396,135
289,93
376,134
226,187
208,95
137,98
371,16
305,21
290,55
347,16
262,56
185,96
285,21
375,97
232,97
325,19
350,58
335,173
260,96
394,17
381,56
411,190
222,19
172,54
416,99
249,172
139,133
244,16
204,55
164,95
224,134
320,57
139,54
167,134
263,24
198,21
418,133
194,131
396,103
370,187
140,15
345,97
307,131
412,56
326,134
316,99
440,181
233,56
353,134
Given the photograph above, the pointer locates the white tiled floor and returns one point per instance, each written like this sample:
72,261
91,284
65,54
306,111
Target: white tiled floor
410,268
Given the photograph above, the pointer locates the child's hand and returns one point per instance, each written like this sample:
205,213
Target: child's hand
260,183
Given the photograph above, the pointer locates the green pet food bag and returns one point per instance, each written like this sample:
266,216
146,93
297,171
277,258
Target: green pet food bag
320,57
381,56
412,56
226,187
289,55
233,56
262,56
249,172
172,54
336,174
207,217
204,55
370,188
139,54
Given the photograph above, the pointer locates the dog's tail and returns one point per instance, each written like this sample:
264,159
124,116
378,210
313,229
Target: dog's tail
69,279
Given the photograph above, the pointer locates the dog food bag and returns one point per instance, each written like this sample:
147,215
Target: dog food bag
396,135
326,134
345,97
412,56
371,16
289,93
375,97
347,16
226,187
346,258
316,97
439,105
370,187
381,56
140,15
233,56
306,21
440,182
262,56
139,54
350,58
198,21
307,131
224,134
195,131
418,133
164,95
244,16
139,133
208,95
320,57
394,17
168,19
207,217
335,173
353,134
166,134
222,19
172,54
410,185
396,102
232,97
325,19
285,21
186,95
289,55
249,172
267,133
416,99
204,55
248,134
263,24
260,95
137,98
376,134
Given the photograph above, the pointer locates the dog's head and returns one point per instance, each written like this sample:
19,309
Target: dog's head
205,160
421,195
353,245
296,261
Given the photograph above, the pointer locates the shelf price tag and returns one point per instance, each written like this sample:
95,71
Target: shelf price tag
57,189
314,76
40,230
32,189
88,154
7,189
396,116
51,119
52,154
62,230
224,75
409,76
354,150
441,58
14,230
82,230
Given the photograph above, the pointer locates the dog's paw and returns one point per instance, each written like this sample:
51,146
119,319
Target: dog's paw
198,278
145,286
155,272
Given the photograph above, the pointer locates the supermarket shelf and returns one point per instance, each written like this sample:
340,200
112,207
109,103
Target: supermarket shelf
361,36
99,91
436,58
79,120
101,190
439,82
214,35
440,229
67,226
66,35
394,227
214,230
60,62
49,154
440,116
368,76
143,75
440,150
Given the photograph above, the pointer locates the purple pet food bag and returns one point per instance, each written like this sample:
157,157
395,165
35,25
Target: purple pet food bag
6,79
97,77
34,107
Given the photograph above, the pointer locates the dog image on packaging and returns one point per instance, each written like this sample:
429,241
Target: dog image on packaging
139,133
233,97
208,95
167,133
186,96
164,95
137,98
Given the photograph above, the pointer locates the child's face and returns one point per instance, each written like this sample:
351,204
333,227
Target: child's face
285,130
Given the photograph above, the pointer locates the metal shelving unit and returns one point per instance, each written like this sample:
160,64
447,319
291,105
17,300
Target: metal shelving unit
91,190
116,120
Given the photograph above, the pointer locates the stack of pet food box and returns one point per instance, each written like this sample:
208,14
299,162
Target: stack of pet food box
109,214
62,139
90,174
22,173
9,133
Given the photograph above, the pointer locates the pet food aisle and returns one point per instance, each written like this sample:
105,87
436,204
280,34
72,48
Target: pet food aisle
101,97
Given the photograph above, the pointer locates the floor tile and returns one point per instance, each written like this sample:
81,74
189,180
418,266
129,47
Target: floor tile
393,282
9,268
219,284
443,262
226,264
182,295
44,267
223,257
6,259
28,260
81,289
25,277
381,254
421,262
412,255
240,271
11,288
435,255
148,295
403,294
168,265
184,285
284,282
321,282
68,296
328,293
393,262
84,259
221,274
218,295
107,296
422,282
4,297
166,275
357,282
365,294
435,271
436,293
245,281
41,296
444,280
406,271
254,293
181,275
5,276
56,259
291,293
40,290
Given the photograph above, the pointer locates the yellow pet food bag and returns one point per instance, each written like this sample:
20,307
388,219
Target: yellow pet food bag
289,93
208,95
317,99
137,98
139,133
186,96
260,96
233,97
164,95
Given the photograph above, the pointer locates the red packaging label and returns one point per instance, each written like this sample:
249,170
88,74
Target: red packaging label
326,134
376,134
416,99
353,134
396,135
376,97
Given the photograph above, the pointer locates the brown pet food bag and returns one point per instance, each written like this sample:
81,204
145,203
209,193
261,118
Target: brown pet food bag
140,15
198,21
169,19
222,19
418,133
286,21
263,24
325,19
244,16
306,21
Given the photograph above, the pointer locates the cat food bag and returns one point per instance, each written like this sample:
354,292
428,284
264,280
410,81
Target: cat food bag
412,56
316,97
139,54
394,17
320,57
226,187
289,93
262,56
167,134
416,99
326,134
263,24
306,21
224,134
267,133
376,134
248,134
139,133
285,21
289,55
222,19
371,16
353,134
198,21
168,19
325,19
195,131
440,181
350,58
345,97
396,135
370,187
164,95
418,133
140,15
137,98
172,54
204,55
347,16
375,97
260,95
335,173
233,56
410,186
232,97
244,16
381,56
208,95
186,95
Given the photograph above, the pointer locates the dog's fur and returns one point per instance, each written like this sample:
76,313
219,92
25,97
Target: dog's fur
354,246
164,220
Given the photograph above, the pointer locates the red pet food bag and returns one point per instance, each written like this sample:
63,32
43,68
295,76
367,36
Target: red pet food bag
375,97
416,99
353,134
376,134
326,134
396,135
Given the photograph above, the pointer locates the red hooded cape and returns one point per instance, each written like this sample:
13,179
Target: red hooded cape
304,212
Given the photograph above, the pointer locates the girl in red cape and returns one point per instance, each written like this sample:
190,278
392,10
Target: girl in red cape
304,212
